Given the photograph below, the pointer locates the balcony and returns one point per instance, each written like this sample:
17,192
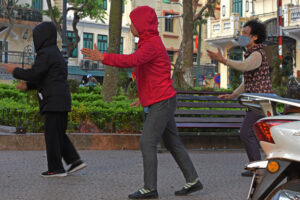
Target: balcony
291,16
22,14
17,57
291,23
222,32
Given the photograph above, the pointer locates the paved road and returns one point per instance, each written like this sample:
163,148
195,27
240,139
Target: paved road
111,175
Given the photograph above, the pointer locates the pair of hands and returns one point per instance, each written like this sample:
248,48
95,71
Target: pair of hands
216,56
92,54
219,57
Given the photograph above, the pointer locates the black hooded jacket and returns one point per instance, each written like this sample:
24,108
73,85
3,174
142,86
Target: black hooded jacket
49,72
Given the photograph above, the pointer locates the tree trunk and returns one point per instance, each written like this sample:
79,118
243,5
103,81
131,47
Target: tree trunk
188,25
180,69
51,15
110,82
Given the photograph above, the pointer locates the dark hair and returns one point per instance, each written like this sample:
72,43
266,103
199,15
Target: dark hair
257,28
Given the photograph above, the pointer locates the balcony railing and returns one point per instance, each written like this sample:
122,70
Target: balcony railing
24,14
17,57
292,16
225,28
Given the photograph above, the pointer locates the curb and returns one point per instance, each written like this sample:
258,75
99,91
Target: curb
110,141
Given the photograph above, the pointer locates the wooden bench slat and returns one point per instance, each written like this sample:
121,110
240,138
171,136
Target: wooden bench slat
208,119
210,112
222,119
202,92
201,98
208,105
208,125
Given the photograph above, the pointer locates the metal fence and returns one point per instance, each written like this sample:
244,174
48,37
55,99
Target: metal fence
15,118
17,57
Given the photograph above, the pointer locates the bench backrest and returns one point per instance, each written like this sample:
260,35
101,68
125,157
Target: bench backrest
198,111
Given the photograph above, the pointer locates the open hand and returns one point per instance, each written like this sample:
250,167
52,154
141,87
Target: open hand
226,96
216,56
9,67
136,103
92,54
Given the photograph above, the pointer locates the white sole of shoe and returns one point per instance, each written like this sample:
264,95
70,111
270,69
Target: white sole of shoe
54,175
79,167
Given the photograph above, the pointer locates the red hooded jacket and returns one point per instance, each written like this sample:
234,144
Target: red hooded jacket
151,62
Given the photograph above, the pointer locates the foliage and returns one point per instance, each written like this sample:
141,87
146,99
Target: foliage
93,9
235,77
279,76
73,84
56,13
212,89
21,109
132,90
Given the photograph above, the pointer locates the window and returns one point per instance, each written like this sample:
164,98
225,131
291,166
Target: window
105,4
247,6
88,40
121,46
123,6
169,23
194,57
37,4
71,38
237,7
4,55
171,55
102,43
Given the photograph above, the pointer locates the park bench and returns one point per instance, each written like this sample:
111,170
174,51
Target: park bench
203,113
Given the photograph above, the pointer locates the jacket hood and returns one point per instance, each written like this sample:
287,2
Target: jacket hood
145,21
44,35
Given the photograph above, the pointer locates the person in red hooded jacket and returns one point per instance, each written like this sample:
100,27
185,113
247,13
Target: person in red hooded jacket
152,68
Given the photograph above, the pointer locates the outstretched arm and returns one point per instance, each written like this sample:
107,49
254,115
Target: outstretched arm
38,70
143,55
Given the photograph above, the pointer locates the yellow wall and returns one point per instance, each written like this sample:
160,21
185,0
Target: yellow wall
15,39
297,59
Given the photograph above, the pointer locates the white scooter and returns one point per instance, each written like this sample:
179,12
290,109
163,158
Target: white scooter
278,177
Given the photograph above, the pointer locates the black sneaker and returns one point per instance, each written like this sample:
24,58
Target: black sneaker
144,194
189,188
77,165
57,173
247,174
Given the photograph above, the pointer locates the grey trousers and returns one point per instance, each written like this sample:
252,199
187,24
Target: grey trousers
248,136
160,123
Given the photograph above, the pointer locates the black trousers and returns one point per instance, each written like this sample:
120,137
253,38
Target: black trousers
58,145
248,136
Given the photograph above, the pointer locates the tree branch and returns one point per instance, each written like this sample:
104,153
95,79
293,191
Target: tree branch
51,13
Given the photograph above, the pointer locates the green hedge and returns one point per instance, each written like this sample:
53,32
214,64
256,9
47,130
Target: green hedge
87,108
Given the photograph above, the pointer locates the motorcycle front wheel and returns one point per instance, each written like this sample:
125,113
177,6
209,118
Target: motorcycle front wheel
287,191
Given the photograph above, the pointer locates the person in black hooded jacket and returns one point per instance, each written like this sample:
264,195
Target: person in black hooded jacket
48,76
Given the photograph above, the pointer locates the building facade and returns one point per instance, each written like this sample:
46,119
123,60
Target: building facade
16,45
96,32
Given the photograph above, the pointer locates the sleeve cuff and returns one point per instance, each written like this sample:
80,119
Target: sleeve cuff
104,61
